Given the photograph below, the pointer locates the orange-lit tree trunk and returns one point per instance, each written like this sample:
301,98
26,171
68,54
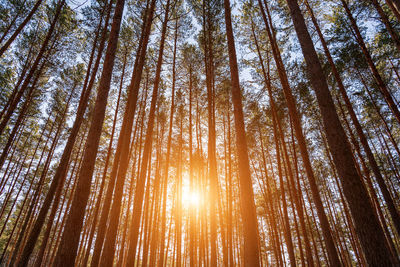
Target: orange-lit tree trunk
249,218
212,160
141,180
104,176
168,155
123,145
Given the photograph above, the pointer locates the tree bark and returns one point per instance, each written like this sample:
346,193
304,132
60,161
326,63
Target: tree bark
140,184
368,229
249,217
330,245
69,242
363,139
167,157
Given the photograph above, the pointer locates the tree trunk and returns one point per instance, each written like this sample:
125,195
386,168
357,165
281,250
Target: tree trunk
367,226
22,25
167,157
363,139
69,243
381,84
141,181
249,217
212,161
333,255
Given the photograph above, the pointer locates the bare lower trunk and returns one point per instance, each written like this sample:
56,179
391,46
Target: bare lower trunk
249,217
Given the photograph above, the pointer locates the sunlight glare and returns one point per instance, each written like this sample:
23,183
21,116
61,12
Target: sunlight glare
190,197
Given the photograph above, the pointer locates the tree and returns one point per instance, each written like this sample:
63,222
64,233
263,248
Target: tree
251,253
367,225
69,242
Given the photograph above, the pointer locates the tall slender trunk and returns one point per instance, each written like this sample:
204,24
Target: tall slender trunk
69,242
179,210
363,139
286,223
21,26
141,181
62,168
333,255
368,229
157,196
249,217
107,161
378,78
212,161
271,208
192,186
168,154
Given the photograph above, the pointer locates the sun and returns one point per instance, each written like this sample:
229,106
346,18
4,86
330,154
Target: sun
191,198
